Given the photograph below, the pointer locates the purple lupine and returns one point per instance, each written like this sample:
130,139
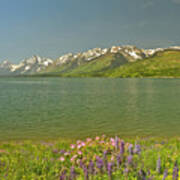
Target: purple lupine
126,171
165,174
72,173
105,154
110,169
91,168
129,159
86,174
130,149
116,143
119,161
62,151
142,175
175,171
122,149
63,175
55,151
158,166
81,164
99,163
137,149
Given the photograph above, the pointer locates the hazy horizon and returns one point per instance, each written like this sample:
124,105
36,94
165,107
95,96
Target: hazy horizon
53,28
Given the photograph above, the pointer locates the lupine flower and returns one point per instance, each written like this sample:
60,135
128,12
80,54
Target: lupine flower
126,171
122,147
118,158
91,168
129,159
55,151
175,171
86,175
110,169
81,164
63,175
165,174
72,173
142,175
99,163
158,165
137,149
130,149
62,151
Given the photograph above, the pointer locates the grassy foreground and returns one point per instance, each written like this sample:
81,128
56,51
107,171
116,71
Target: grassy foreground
100,158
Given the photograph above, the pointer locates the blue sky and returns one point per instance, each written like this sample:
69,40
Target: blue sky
52,28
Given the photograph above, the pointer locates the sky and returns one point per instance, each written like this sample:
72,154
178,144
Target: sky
51,28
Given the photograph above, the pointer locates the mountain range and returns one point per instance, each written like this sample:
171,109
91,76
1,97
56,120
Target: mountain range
116,61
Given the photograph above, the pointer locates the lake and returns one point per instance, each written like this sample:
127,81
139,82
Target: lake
50,108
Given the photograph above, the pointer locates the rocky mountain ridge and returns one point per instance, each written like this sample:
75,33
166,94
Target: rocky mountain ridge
37,64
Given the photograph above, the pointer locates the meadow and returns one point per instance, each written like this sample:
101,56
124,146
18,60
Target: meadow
98,158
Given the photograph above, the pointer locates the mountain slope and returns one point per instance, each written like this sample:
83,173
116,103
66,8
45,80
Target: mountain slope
162,64
117,61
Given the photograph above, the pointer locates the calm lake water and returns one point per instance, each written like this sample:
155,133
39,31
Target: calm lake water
48,108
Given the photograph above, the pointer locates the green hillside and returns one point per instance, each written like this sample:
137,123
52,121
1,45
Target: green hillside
162,64
96,67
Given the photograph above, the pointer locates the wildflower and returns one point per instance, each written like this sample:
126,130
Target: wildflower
73,158
122,149
80,152
97,138
99,163
83,144
73,146
118,158
79,146
126,171
110,169
81,164
130,149
62,159
86,174
165,174
137,149
62,151
72,173
129,159
63,175
88,140
91,167
55,151
78,141
158,165
66,153
175,171
141,175
112,158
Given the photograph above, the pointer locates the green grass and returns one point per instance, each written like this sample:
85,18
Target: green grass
49,160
